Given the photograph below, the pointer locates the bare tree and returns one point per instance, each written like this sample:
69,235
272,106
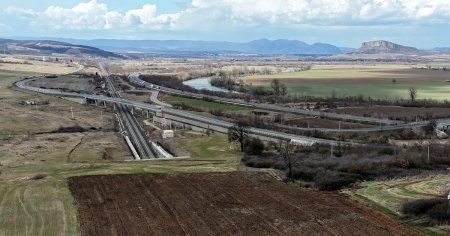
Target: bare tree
239,133
287,153
413,93
276,86
283,90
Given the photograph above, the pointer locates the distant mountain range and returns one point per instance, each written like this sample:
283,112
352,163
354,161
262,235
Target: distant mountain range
118,48
262,46
48,47
445,49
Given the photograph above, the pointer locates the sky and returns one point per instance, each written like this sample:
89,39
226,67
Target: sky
347,23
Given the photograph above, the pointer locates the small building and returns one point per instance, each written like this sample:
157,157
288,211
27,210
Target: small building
167,134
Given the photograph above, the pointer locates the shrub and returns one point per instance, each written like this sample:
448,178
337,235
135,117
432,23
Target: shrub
418,207
257,161
435,209
332,181
304,173
387,151
38,177
254,147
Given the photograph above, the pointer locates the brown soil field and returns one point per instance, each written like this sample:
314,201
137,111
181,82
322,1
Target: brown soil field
395,112
239,203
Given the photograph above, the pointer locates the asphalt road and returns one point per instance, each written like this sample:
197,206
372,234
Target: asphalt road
134,78
154,108
383,124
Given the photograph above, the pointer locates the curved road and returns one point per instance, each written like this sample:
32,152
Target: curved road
384,124
178,113
134,78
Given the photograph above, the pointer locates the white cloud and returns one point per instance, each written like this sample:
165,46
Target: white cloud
95,15
329,12
19,11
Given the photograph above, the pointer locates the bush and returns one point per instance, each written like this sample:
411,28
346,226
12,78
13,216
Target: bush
254,147
332,181
70,129
256,161
38,177
435,209
387,151
304,173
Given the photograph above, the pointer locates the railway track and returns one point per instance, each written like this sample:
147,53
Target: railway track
132,127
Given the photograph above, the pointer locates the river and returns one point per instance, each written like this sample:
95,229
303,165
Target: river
203,83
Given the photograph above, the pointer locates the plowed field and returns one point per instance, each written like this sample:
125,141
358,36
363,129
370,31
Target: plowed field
218,204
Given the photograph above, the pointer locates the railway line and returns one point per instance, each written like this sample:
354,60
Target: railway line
133,130
193,119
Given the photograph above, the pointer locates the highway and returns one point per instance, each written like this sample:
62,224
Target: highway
383,124
134,78
178,113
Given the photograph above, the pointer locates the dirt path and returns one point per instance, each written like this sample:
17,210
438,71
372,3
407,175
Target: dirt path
69,155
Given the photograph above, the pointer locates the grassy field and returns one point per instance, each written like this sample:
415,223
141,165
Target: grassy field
319,74
67,82
376,83
15,64
375,90
34,206
45,207
388,195
205,104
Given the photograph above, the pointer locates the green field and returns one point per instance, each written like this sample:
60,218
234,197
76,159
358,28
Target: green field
369,83
387,196
437,91
322,73
201,104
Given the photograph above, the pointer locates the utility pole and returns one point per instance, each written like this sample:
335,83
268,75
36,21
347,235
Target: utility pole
101,115
331,152
71,111
428,154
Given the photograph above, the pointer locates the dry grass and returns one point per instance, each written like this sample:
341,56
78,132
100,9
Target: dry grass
388,195
71,82
45,207
17,64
